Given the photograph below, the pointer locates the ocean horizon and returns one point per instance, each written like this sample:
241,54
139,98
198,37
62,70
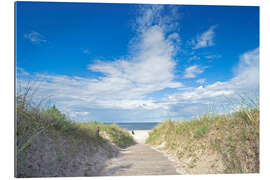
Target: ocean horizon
136,125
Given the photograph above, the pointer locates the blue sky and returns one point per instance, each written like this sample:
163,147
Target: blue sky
137,63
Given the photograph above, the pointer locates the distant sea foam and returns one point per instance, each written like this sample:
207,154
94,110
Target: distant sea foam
137,125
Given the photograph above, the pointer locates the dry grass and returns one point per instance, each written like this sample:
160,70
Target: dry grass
49,144
31,120
222,143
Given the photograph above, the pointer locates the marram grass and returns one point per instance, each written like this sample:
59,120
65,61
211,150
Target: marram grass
226,143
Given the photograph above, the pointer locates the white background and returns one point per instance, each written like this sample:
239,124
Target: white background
7,88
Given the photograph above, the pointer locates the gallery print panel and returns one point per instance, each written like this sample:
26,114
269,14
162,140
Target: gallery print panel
110,89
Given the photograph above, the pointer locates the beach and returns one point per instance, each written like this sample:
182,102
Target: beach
139,159
140,135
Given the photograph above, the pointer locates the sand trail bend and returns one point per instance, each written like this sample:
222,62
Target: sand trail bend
139,159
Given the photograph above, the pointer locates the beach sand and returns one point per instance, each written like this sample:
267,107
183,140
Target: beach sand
140,135
139,159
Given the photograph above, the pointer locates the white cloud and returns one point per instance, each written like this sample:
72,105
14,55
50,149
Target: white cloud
35,37
213,56
228,93
151,68
194,58
122,93
193,71
21,72
174,37
126,82
247,71
113,98
201,81
154,15
205,39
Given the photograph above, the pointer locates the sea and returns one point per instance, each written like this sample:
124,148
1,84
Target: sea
137,125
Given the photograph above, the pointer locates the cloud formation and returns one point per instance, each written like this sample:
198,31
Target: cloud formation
126,83
205,39
213,56
127,88
151,68
201,81
244,83
193,71
35,37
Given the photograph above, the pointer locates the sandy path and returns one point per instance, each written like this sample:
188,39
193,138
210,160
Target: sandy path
140,135
139,159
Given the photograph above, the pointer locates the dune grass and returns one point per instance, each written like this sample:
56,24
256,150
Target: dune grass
232,138
49,144
31,121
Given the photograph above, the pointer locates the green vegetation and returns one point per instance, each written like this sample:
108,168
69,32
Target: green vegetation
118,136
32,121
233,140
49,144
